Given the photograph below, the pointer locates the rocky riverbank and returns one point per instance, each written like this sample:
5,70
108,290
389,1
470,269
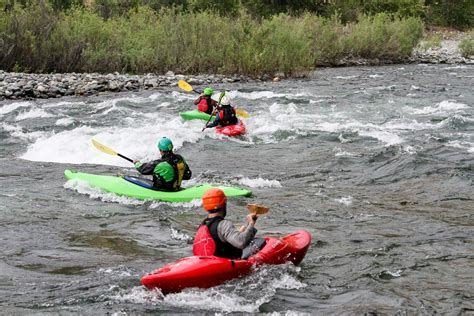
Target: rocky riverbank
31,86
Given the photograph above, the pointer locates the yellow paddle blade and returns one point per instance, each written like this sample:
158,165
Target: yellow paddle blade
257,209
104,148
242,113
185,86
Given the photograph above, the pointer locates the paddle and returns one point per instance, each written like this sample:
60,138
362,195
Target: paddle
188,88
108,150
255,210
214,111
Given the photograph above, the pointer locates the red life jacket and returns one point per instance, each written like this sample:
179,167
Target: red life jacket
205,105
204,244
208,243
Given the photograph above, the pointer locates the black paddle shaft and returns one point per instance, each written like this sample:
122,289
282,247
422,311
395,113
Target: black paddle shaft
126,158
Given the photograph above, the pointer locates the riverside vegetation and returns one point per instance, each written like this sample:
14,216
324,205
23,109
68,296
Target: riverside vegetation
37,38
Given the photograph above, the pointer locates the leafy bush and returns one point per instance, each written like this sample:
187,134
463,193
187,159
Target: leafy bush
432,41
37,38
467,45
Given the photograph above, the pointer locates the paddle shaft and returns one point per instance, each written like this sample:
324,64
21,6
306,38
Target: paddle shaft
108,150
124,157
214,111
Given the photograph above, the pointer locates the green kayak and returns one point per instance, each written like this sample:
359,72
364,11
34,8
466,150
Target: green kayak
195,115
140,188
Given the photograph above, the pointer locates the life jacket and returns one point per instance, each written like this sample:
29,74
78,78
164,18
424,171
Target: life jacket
227,116
205,105
208,243
179,166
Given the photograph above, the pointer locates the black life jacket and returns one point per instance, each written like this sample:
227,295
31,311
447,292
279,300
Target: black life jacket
210,107
227,116
223,249
179,166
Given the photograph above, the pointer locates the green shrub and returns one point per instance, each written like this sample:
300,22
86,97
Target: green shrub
145,40
431,41
383,36
467,45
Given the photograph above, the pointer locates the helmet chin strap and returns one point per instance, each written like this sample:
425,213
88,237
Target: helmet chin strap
217,210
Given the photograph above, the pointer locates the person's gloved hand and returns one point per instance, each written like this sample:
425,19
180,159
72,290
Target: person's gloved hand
251,219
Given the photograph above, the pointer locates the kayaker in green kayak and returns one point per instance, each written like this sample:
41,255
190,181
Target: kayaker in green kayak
226,115
169,171
205,103
218,236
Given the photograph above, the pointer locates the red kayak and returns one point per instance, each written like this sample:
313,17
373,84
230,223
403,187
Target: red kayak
232,130
208,271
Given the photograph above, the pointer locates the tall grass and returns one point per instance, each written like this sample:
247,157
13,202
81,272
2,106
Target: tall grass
37,39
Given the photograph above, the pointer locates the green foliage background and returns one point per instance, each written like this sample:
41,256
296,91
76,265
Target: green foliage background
197,36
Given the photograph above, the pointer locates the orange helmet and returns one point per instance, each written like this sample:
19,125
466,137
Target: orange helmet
213,199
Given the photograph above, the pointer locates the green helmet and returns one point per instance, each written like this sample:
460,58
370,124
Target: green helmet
165,144
208,91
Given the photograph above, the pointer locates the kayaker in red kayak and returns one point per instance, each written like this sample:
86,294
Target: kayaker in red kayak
218,236
169,171
226,115
205,103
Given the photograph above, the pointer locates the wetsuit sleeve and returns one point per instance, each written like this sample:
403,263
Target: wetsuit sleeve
196,102
216,121
147,167
228,233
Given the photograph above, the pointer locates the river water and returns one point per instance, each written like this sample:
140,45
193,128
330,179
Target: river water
375,162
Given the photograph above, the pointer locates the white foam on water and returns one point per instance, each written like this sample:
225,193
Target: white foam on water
288,282
121,272
135,142
449,105
290,118
346,77
193,204
13,106
317,101
342,153
260,183
175,234
465,145
256,95
213,299
155,96
446,107
138,295
33,113
346,200
383,136
289,313
62,104
395,274
17,131
455,67
186,96
411,150
83,187
408,125
65,121
226,299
